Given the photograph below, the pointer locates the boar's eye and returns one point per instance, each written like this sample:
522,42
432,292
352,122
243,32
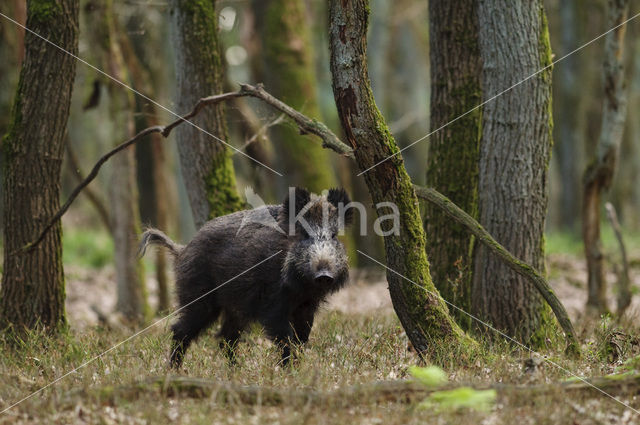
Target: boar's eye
334,235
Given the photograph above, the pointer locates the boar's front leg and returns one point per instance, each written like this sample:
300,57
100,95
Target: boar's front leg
302,321
279,330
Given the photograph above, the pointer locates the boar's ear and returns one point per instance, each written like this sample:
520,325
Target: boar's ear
301,198
338,197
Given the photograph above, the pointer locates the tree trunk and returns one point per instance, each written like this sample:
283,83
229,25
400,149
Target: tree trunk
570,94
32,291
452,166
11,51
514,157
599,173
151,177
123,193
289,75
420,308
205,162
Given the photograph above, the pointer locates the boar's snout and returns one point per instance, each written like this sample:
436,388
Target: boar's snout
323,277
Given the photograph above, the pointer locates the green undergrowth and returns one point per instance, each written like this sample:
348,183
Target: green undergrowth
562,242
87,247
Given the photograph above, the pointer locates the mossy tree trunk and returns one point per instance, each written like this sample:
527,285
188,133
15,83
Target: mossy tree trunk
452,166
289,74
205,162
123,192
420,308
32,291
599,174
513,164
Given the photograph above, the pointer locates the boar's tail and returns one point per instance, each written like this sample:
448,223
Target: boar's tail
156,237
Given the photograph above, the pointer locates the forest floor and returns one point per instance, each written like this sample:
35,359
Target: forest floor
357,341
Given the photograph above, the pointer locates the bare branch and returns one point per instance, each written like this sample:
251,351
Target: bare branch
94,198
306,125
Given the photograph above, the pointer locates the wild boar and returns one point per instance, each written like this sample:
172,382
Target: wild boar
274,265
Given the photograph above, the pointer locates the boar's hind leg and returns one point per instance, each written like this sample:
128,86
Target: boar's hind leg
193,320
232,327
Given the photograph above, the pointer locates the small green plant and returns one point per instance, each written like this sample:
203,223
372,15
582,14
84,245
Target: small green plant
430,376
458,398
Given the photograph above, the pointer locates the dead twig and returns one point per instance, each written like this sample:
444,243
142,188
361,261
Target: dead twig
94,198
261,132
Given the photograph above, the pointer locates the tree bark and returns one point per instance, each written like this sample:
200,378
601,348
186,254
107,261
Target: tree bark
32,291
452,165
123,192
289,75
420,309
599,174
514,157
205,162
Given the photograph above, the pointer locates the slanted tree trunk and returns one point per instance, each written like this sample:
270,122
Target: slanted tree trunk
289,74
123,193
32,291
420,308
452,166
205,162
599,174
514,157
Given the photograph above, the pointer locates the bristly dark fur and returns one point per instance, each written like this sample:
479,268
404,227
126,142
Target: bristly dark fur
337,196
282,294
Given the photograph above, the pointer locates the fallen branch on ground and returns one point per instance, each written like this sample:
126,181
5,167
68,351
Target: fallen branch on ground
331,141
376,392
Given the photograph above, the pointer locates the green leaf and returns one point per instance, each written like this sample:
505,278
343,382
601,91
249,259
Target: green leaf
463,397
431,376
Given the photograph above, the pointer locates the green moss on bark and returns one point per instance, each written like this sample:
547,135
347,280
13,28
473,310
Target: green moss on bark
221,186
44,10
